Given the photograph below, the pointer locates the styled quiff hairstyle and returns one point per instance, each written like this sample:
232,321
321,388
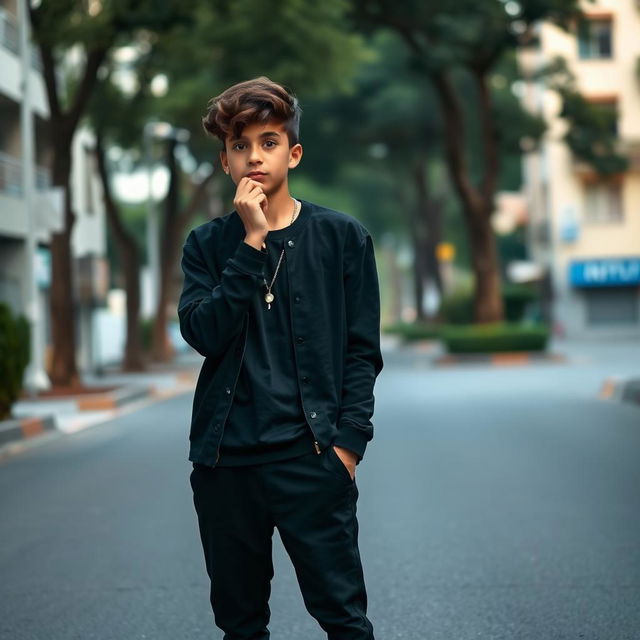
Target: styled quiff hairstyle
256,100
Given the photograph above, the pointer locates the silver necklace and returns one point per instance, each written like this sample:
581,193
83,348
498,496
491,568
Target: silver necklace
269,297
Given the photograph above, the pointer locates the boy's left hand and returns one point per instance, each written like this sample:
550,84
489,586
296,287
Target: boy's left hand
349,459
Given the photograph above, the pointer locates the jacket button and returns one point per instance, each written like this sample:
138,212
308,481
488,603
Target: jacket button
313,414
291,243
299,340
228,390
305,379
297,298
216,428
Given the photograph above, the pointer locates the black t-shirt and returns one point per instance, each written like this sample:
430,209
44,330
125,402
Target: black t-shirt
266,420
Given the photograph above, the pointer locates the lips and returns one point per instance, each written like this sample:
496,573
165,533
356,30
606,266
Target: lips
256,174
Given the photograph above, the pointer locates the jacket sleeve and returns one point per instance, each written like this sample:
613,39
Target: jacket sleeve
211,310
363,359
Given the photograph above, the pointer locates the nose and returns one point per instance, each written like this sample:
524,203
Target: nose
254,155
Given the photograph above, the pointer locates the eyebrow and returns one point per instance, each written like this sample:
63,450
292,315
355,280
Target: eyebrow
264,134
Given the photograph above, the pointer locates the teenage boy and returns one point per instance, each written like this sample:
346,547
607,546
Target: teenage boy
281,297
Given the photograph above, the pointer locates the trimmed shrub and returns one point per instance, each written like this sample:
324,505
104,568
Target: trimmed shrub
458,308
14,357
487,338
414,330
517,298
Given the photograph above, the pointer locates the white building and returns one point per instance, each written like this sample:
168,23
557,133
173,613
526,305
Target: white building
583,228
29,209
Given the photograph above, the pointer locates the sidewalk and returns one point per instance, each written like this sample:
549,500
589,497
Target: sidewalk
41,418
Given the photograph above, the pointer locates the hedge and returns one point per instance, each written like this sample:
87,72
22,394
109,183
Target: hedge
14,357
410,331
516,298
486,338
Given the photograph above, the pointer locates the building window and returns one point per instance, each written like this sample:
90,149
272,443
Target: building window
612,305
603,202
595,38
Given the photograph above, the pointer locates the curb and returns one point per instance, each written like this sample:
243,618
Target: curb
25,428
503,359
86,411
621,389
111,399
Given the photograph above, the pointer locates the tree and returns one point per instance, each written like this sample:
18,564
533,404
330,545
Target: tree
92,30
591,132
467,39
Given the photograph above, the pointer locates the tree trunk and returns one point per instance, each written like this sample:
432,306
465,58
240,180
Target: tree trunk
425,226
129,254
430,214
63,370
488,305
62,126
175,222
161,349
419,278
477,203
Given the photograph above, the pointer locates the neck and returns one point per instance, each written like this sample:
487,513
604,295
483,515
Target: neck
280,209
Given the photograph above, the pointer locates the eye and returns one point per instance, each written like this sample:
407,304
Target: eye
236,144
272,142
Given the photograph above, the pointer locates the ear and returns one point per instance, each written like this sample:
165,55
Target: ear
223,161
295,155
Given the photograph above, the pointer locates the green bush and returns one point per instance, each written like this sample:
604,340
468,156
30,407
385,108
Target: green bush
516,298
414,330
14,357
457,309
483,338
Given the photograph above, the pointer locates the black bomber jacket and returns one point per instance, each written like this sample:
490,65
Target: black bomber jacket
335,322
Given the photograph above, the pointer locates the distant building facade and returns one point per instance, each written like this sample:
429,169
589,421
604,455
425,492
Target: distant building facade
30,210
585,229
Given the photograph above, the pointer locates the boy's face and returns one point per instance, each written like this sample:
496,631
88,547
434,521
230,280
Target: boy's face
262,147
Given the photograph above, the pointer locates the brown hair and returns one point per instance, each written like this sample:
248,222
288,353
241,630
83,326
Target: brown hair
256,100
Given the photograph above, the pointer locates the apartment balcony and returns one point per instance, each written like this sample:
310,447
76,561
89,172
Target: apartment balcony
10,38
9,35
11,176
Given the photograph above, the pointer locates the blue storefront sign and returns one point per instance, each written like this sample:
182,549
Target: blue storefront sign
605,272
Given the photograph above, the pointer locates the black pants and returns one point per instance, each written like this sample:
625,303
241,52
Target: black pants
312,500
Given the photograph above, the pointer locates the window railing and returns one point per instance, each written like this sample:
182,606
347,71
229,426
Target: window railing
9,31
10,39
36,59
10,175
43,178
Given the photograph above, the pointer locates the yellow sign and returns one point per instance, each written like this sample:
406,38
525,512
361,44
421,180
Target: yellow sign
445,252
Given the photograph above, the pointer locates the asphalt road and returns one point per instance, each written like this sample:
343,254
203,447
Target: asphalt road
494,503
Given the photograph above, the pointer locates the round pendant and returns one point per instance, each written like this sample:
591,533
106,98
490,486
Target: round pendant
268,297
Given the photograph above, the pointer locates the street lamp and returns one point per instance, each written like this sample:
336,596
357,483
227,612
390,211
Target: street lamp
159,131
